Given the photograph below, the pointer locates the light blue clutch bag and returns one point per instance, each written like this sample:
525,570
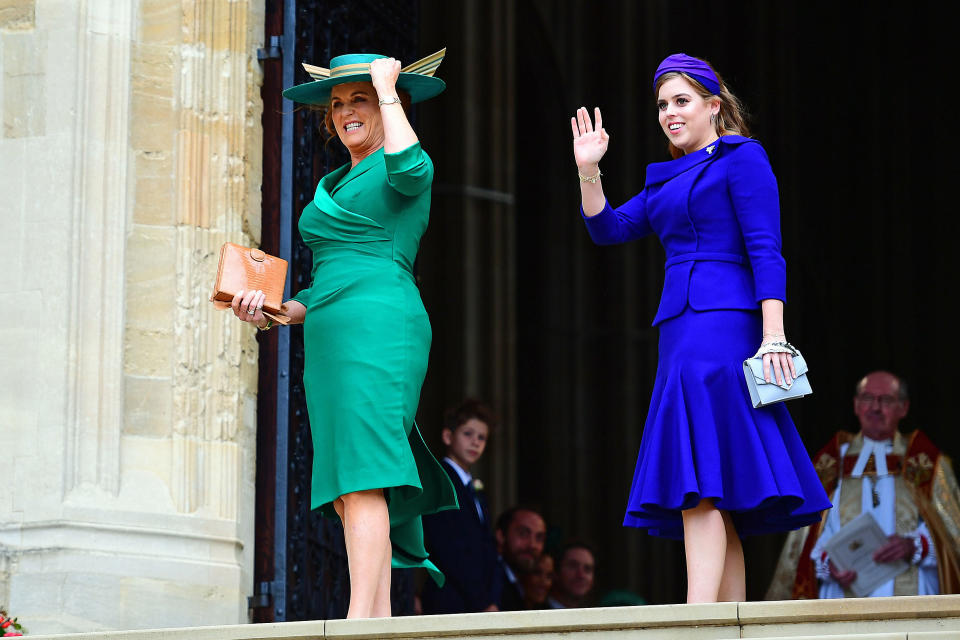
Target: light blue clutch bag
763,393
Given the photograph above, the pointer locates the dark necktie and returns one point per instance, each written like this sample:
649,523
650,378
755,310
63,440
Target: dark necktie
476,500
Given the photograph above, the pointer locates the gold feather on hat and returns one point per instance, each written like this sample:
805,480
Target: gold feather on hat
425,66
317,73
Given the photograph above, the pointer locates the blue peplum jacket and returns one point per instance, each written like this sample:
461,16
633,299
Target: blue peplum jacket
717,214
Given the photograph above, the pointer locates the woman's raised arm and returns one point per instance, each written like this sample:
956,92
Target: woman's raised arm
589,145
397,132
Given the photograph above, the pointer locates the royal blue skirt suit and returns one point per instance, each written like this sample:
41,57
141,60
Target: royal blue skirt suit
717,214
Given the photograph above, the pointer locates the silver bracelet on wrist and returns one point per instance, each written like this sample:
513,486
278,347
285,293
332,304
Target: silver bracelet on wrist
392,100
780,346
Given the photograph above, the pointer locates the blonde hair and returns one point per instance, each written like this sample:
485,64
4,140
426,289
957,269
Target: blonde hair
731,119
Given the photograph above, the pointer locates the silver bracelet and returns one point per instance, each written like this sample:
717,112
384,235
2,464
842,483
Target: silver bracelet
393,100
781,346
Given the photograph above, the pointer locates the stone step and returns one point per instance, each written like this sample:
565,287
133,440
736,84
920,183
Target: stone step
901,618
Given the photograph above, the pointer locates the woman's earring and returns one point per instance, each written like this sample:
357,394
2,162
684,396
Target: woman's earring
713,118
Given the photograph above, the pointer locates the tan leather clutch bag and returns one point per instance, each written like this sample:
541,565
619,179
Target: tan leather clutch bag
243,269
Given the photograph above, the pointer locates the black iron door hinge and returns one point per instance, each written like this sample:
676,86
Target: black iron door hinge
261,598
273,51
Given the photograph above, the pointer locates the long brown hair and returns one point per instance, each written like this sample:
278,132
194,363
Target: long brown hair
731,119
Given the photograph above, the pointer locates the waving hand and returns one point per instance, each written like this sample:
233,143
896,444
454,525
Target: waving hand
589,143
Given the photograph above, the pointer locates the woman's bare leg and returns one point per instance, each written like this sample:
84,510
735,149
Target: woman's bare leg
705,544
366,531
733,584
381,603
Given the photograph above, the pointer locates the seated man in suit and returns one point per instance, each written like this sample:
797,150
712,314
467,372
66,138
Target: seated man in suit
521,533
574,579
460,541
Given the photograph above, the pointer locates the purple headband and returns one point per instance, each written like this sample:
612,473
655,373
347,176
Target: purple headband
695,67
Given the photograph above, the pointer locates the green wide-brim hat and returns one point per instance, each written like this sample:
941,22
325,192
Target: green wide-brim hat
416,79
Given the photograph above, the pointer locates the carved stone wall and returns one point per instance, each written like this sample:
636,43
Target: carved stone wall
130,151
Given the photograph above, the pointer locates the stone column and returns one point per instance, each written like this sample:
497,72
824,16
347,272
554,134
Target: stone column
130,151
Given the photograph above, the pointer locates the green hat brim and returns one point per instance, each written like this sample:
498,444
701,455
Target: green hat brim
419,87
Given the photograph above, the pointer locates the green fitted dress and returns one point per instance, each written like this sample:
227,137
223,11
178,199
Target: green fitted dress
366,342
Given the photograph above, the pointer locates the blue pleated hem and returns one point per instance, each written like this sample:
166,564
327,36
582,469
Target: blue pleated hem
704,440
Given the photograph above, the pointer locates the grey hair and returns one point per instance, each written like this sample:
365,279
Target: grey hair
903,393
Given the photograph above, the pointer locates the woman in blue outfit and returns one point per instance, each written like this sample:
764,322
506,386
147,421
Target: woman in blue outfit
711,468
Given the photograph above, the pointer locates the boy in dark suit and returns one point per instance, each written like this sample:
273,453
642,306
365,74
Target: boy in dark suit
460,542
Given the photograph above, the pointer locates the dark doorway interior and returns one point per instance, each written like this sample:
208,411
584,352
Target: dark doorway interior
851,107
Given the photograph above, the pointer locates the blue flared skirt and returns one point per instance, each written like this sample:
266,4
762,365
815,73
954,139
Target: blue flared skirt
703,438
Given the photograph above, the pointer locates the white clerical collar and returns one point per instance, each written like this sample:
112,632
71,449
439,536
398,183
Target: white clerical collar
876,448
465,476
886,443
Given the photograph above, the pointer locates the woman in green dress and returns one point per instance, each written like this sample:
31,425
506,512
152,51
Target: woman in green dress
366,333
